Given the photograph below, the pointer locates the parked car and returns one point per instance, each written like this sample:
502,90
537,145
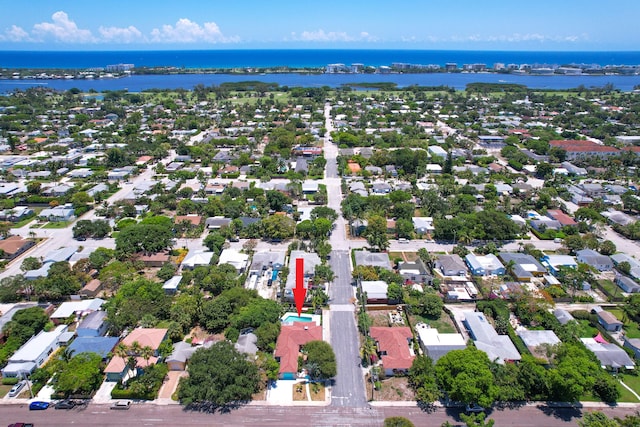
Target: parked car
38,406
474,408
21,425
121,404
65,404
15,390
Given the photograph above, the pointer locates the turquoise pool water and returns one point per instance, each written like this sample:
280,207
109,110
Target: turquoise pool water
293,318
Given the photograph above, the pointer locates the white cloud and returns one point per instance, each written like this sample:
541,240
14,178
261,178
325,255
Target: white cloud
187,31
518,38
129,34
15,34
332,36
62,29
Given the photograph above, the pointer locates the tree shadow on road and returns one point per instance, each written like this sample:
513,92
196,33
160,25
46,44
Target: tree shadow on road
212,408
565,413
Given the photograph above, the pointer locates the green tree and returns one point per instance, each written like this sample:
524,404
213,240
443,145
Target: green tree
218,376
597,419
465,376
397,422
376,232
321,354
267,335
422,378
608,248
146,238
476,420
30,263
278,227
81,375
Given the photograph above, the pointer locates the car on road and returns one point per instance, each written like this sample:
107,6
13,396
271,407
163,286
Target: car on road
65,404
121,404
473,408
38,405
15,390
21,425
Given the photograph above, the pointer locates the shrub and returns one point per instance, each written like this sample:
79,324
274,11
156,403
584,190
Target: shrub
10,381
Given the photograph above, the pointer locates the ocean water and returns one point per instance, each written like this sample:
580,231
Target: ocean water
301,58
311,58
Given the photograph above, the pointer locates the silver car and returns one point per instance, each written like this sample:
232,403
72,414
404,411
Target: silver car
15,390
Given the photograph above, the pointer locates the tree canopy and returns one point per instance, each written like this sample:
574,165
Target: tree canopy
218,376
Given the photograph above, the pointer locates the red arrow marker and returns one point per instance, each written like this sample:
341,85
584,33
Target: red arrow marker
299,292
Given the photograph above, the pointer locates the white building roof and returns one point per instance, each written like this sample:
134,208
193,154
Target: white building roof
66,309
375,289
236,259
197,258
33,348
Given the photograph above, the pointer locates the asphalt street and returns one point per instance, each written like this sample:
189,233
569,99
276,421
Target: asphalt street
276,416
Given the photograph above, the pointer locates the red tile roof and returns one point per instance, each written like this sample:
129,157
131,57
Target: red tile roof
395,342
582,146
291,338
561,217
193,219
151,337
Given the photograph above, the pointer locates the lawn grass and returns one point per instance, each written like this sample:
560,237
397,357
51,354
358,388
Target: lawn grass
23,222
632,381
610,287
631,328
443,324
57,224
4,389
586,330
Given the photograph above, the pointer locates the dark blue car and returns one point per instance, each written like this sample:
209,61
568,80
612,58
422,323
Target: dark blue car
38,406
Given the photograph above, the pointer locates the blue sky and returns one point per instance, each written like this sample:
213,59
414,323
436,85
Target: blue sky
579,25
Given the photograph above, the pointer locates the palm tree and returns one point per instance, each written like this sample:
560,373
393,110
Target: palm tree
121,350
136,348
369,351
146,353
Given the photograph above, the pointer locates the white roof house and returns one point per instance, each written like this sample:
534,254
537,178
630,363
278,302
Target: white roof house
375,289
33,353
236,259
69,308
498,347
435,345
171,285
197,258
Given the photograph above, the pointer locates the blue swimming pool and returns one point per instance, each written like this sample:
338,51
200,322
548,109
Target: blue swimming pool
290,318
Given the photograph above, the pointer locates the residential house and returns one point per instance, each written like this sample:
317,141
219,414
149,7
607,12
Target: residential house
554,262
435,345
524,266
14,246
564,219
311,260
33,353
634,263
627,284
538,341
154,260
7,316
380,188
563,316
582,149
609,321
236,259
499,348
197,258
171,286
484,265
103,346
423,224
394,348
415,272
58,213
609,355
595,259
451,265
633,344
146,337
60,254
376,291
217,222
290,341
93,324
76,309
182,352
374,259
262,261
247,343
